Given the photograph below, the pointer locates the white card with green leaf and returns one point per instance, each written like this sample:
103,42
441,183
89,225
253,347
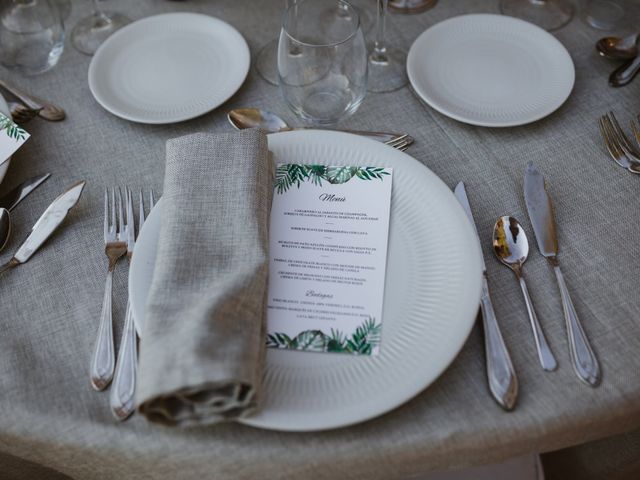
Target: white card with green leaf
328,249
11,138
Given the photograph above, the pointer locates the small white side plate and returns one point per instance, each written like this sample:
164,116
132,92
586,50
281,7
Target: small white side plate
169,68
490,70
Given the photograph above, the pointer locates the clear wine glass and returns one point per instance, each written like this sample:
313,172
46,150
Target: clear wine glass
547,14
322,66
267,59
387,65
90,32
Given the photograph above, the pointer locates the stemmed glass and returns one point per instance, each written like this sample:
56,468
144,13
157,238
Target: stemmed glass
386,64
90,32
548,14
322,65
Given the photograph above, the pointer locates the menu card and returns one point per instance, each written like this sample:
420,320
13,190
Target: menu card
328,252
11,138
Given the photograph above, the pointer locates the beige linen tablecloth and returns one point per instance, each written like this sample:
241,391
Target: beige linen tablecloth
51,418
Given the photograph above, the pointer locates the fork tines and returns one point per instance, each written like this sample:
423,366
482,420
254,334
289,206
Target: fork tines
617,143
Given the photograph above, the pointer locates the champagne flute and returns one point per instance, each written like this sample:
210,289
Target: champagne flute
90,32
547,14
387,70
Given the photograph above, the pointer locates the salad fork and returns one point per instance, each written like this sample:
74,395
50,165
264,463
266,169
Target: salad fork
618,144
103,360
124,382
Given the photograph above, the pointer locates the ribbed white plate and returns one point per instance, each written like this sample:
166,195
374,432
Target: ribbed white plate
431,296
168,68
490,70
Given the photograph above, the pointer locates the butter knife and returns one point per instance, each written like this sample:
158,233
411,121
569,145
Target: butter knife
538,202
501,375
14,197
48,222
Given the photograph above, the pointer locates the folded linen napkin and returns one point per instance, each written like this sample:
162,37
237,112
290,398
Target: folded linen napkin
202,349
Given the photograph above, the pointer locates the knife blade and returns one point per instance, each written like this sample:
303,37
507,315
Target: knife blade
501,375
11,199
583,359
48,222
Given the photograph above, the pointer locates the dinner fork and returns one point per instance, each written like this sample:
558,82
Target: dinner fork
103,360
124,382
636,130
618,144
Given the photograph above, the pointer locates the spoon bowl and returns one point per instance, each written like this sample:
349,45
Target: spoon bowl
242,118
510,243
5,227
624,48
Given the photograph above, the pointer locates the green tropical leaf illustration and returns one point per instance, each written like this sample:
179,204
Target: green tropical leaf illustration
337,175
11,129
362,341
288,175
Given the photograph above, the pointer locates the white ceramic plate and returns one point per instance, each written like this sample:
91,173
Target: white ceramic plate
490,70
431,297
4,108
168,68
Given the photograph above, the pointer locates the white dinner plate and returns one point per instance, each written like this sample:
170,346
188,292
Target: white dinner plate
4,108
431,297
168,68
490,70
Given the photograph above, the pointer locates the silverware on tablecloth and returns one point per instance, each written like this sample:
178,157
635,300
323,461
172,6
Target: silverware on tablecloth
242,118
584,361
22,114
625,73
122,398
48,222
636,130
501,375
511,247
11,199
617,143
48,111
103,360
624,48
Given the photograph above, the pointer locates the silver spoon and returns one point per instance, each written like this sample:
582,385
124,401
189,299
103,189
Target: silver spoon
5,227
242,118
48,111
624,48
511,247
624,74
21,114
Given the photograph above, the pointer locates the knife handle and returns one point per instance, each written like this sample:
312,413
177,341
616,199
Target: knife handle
124,382
584,361
547,360
501,375
103,361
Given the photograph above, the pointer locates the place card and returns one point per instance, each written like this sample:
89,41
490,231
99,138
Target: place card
328,251
11,138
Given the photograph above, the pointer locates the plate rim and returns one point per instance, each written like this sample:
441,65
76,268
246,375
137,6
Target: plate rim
245,57
424,96
338,421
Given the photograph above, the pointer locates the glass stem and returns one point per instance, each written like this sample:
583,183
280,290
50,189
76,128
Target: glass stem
379,53
104,19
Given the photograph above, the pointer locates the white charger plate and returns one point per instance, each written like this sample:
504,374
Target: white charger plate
169,68
431,297
4,108
490,70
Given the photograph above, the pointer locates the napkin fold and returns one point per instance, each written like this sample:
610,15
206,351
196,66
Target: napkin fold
202,349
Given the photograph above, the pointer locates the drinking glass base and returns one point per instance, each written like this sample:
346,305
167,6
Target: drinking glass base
547,14
91,32
389,75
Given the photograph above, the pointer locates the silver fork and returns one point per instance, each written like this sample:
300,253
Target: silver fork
401,142
618,144
103,360
124,383
636,130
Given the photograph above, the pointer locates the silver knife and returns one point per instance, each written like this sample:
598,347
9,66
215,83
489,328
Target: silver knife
503,382
584,361
46,225
14,197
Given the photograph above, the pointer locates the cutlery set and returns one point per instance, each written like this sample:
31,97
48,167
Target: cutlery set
119,237
511,247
